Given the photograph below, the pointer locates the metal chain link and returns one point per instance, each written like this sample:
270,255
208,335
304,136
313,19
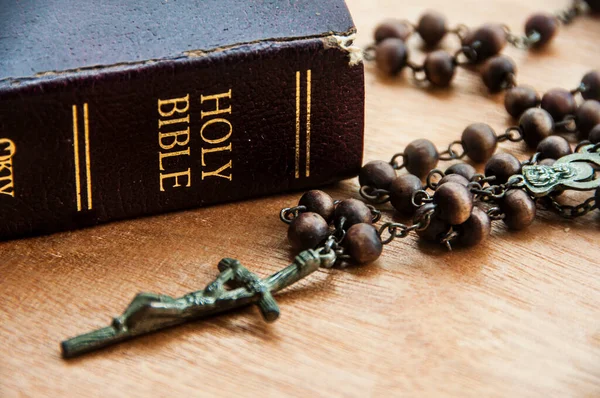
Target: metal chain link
451,154
395,230
568,211
288,214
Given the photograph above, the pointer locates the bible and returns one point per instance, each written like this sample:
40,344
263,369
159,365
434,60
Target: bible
114,110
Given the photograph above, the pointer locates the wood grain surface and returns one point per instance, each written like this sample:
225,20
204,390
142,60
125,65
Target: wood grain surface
516,316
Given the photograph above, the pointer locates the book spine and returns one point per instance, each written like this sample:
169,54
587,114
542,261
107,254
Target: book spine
92,146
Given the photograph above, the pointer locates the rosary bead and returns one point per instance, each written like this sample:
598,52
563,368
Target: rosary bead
307,230
588,116
597,196
547,162
319,202
391,56
432,28
518,208
402,190
491,38
554,147
479,141
545,25
518,99
454,202
591,81
594,5
392,28
457,178
476,229
420,157
353,211
536,124
595,135
437,227
502,166
463,169
496,71
559,103
439,68
377,174
362,243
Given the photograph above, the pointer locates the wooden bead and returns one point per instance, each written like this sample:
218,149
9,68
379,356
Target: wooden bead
420,157
402,190
502,166
594,136
554,147
362,243
307,230
597,196
463,169
353,211
437,227
377,174
496,72
594,5
547,162
518,99
559,103
454,202
476,229
591,81
536,124
518,208
479,141
439,68
545,25
432,28
588,116
491,38
391,55
392,28
457,178
319,202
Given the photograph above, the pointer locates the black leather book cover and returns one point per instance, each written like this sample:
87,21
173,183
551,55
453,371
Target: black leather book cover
118,109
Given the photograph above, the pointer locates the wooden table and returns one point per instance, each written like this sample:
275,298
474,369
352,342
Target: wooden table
516,316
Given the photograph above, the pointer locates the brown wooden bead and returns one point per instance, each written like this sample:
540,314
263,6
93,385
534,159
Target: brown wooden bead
591,81
463,169
518,99
597,196
554,147
457,178
496,72
402,190
545,25
547,162
588,116
479,141
476,229
536,124
594,136
454,202
437,227
439,68
353,211
392,28
391,55
307,230
559,103
319,202
594,5
362,243
420,157
502,166
377,174
432,28
491,38
518,208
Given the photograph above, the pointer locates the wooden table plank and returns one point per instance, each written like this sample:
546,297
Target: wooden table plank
516,316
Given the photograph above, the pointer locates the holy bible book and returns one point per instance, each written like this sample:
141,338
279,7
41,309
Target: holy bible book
118,109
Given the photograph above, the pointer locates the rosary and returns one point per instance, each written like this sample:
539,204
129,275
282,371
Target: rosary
452,207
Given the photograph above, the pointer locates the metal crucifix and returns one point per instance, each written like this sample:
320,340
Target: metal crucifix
149,312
